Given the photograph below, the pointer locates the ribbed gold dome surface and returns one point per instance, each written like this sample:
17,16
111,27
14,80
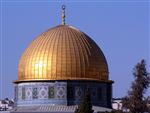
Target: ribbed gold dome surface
63,53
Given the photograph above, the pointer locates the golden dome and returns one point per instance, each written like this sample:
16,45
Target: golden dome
63,53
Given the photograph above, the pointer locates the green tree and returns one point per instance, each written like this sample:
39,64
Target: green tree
135,101
85,106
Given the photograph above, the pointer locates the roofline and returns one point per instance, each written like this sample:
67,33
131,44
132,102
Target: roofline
66,80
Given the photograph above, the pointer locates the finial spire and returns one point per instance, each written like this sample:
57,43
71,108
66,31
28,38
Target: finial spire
63,14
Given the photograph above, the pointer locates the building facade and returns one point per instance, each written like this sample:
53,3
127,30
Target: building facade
59,67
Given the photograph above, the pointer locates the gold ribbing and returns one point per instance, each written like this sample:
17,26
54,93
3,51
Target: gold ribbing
63,53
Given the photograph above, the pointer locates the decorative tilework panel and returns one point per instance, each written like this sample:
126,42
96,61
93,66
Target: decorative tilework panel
51,92
99,93
61,92
16,93
28,93
43,92
70,93
93,92
35,93
20,93
78,92
23,93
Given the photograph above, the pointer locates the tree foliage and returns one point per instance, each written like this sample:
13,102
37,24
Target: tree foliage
135,101
85,106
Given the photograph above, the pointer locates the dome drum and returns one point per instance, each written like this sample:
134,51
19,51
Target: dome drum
62,93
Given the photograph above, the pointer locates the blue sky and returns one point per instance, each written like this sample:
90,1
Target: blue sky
119,27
